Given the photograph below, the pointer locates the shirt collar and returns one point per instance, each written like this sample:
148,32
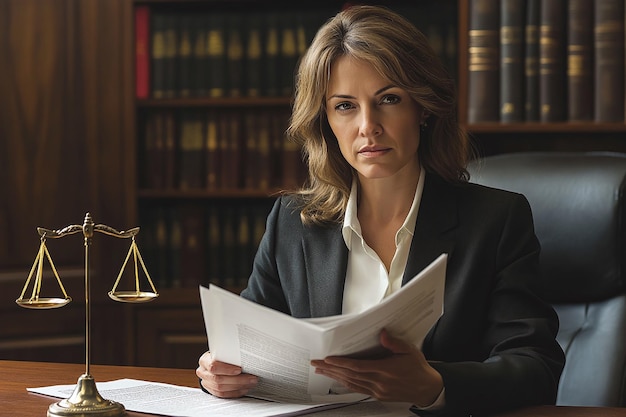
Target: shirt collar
351,223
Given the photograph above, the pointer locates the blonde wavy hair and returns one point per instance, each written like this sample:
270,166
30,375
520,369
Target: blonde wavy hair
400,53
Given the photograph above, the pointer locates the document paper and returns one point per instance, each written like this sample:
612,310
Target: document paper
177,401
278,348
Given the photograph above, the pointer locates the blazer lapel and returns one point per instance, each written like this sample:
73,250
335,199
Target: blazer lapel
326,254
326,257
437,214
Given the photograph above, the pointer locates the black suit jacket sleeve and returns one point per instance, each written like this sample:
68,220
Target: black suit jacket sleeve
495,344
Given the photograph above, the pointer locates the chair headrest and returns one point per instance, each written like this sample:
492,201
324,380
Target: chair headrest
577,200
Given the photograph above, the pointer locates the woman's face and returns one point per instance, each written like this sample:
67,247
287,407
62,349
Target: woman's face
376,123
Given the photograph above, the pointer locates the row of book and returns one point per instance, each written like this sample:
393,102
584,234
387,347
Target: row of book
546,61
189,245
217,149
230,53
219,53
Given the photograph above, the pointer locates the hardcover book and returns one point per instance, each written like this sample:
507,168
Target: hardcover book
552,78
484,62
609,60
200,64
157,55
580,60
235,63
191,153
271,59
512,20
184,73
254,53
212,165
531,61
216,55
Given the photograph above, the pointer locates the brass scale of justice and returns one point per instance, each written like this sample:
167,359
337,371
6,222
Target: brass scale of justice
85,399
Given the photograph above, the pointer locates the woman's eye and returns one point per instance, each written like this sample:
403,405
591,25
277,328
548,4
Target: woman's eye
343,106
390,99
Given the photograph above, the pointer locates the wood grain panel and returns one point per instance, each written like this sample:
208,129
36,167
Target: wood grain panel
173,337
66,142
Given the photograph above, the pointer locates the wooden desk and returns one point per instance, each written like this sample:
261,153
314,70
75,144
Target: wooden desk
16,376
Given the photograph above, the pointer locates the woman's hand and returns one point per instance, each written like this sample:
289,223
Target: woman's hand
222,379
403,376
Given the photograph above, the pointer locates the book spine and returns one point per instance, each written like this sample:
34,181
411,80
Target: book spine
531,61
271,57
302,40
185,62
212,165
580,60
191,172
170,151
199,56
484,63
157,55
153,146
142,52
512,20
235,56
264,170
277,135
609,60
229,149
251,168
288,53
171,55
552,75
216,53
254,51
236,148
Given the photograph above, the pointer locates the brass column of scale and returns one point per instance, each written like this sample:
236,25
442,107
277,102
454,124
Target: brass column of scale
85,399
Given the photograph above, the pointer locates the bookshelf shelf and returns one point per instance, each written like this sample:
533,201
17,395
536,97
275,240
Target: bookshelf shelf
174,194
555,127
248,102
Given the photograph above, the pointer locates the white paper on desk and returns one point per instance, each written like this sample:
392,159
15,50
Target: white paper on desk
176,401
278,348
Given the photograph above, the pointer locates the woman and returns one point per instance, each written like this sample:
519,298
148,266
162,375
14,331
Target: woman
388,192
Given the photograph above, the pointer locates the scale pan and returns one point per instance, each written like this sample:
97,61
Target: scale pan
133,296
42,303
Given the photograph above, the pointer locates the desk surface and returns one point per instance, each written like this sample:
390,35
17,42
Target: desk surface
16,376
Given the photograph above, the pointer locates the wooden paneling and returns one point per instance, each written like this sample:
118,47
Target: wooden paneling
170,337
65,138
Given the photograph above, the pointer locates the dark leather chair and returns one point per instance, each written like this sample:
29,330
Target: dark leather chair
579,209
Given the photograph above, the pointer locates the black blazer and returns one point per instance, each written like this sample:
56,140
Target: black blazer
494,345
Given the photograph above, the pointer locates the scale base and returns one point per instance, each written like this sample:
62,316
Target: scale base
86,401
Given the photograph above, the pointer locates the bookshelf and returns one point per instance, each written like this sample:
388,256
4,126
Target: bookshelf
215,141
572,131
206,213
